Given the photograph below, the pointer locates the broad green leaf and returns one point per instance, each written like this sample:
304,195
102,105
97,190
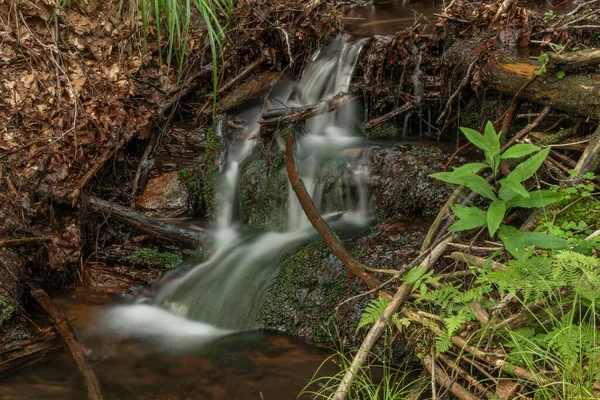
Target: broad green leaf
514,186
513,241
456,175
476,138
468,218
479,185
538,198
495,216
493,141
544,241
526,169
519,150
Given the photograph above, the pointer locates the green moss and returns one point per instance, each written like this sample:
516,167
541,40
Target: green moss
264,189
155,258
6,310
586,210
385,131
304,296
213,149
192,182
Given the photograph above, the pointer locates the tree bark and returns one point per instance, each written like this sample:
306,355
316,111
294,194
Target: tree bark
282,116
577,94
145,224
336,247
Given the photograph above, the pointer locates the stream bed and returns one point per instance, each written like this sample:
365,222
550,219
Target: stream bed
247,365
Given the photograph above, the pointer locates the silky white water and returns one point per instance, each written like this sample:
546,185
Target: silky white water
227,291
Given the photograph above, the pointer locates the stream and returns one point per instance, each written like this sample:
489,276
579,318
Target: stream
197,338
245,365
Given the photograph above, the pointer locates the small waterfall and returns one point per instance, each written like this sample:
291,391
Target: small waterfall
227,290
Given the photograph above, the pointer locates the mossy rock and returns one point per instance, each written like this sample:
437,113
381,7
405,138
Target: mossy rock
264,190
305,295
405,186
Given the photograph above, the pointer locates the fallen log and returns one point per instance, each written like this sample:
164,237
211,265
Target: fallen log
70,340
575,60
282,116
577,94
145,224
127,216
392,114
23,353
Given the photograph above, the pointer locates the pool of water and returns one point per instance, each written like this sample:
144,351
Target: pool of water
246,365
389,17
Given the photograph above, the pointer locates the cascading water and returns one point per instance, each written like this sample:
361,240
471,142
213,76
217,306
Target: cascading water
227,290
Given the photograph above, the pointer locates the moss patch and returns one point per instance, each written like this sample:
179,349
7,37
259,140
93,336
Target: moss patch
586,210
304,297
6,310
264,189
154,258
213,149
384,131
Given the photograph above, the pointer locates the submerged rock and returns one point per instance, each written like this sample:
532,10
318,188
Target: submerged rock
165,196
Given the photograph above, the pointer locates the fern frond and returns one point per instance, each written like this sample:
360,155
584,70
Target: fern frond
372,312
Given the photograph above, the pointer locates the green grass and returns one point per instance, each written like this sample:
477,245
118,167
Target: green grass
174,21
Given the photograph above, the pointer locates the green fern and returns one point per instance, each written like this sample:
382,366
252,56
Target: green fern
372,312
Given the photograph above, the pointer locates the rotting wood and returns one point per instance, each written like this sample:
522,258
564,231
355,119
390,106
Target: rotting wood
282,116
577,94
145,224
23,353
575,60
590,159
70,340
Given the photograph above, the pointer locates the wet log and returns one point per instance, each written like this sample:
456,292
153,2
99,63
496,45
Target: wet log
146,224
70,340
575,60
282,116
23,353
590,159
576,94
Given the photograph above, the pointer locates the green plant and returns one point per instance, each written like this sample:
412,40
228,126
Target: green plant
379,381
543,59
506,193
175,17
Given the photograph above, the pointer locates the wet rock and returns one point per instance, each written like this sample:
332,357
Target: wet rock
403,186
184,140
166,196
307,299
263,191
